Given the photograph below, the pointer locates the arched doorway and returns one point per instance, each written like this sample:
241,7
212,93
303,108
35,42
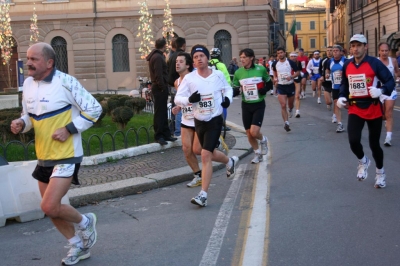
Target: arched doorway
222,40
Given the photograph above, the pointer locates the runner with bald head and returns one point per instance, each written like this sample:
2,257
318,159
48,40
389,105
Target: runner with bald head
58,108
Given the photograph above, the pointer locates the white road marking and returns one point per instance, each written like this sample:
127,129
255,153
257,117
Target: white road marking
256,235
213,248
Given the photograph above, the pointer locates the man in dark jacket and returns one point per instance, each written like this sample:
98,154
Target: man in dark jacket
172,74
158,75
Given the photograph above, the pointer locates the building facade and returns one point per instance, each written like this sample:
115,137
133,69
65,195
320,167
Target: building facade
96,41
378,20
337,17
310,26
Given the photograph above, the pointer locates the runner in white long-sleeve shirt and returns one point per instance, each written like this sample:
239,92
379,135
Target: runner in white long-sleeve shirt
208,92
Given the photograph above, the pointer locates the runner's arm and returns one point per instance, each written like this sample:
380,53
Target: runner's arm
344,86
183,94
309,67
90,109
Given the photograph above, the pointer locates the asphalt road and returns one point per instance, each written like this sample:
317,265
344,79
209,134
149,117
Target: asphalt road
316,213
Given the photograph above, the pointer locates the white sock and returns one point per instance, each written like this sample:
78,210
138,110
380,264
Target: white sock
363,160
257,151
389,134
380,171
229,164
76,240
339,123
203,194
287,122
84,222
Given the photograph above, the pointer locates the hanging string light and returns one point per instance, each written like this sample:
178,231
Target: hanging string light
144,30
168,25
34,30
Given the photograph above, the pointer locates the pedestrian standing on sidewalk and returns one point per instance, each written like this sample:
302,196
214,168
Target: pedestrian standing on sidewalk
58,108
208,92
254,83
190,141
285,71
159,76
359,93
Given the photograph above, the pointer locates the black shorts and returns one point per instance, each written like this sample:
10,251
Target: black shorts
305,75
253,114
328,88
297,80
335,94
43,174
188,127
287,90
209,132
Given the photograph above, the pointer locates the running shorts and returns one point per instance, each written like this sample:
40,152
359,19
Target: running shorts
287,90
43,174
253,114
209,132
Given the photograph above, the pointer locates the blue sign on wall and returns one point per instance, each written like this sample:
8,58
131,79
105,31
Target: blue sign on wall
20,74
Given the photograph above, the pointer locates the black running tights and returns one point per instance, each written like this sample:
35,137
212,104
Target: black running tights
355,126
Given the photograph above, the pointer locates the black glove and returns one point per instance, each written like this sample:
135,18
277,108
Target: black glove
195,97
226,102
263,91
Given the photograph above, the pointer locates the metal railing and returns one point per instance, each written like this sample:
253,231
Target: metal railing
90,144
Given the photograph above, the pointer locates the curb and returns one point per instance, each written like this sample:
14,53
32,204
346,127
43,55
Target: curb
93,194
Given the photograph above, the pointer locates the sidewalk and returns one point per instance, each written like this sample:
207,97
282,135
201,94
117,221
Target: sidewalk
138,169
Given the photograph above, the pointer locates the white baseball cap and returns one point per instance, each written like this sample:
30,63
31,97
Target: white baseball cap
358,38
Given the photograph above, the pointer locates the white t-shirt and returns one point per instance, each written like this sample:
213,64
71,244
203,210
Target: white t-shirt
211,90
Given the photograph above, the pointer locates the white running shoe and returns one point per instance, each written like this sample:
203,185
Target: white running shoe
339,128
328,106
230,171
290,113
297,114
334,120
380,180
199,200
388,142
319,100
362,169
313,94
75,254
195,182
264,146
257,158
304,95
89,234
